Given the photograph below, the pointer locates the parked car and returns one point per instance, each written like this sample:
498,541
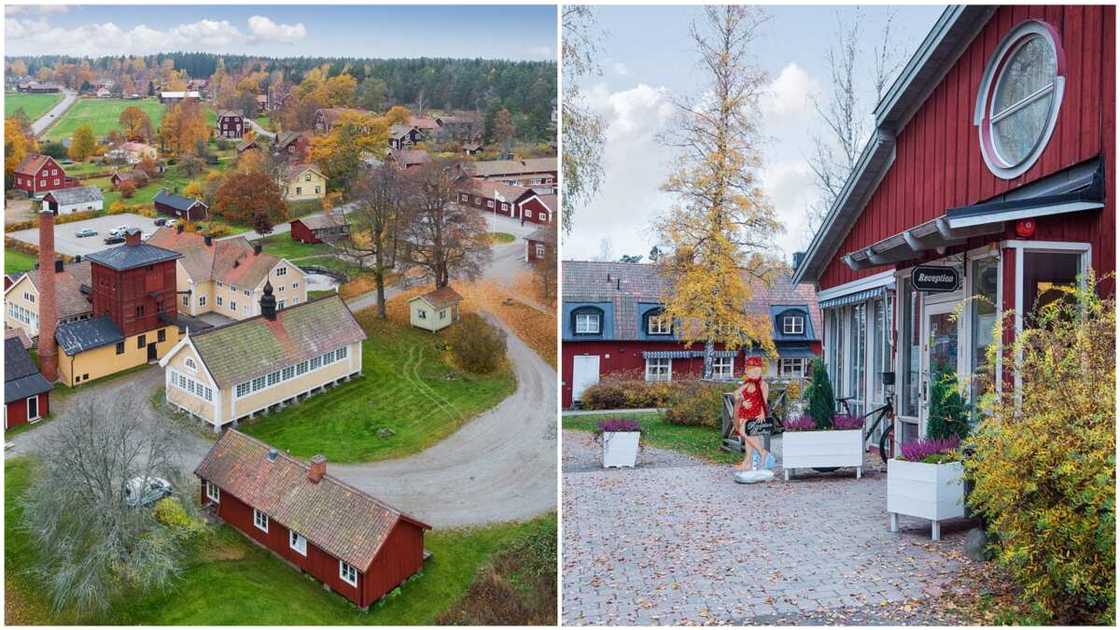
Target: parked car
113,239
161,221
84,232
172,222
144,491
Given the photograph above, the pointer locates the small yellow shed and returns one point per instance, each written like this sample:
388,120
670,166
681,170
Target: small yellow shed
435,310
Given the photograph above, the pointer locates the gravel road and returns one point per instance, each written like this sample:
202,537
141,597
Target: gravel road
68,99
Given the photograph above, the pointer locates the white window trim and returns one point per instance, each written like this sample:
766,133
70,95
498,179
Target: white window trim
258,516
38,408
216,497
322,365
793,325
717,368
596,317
297,542
343,573
668,375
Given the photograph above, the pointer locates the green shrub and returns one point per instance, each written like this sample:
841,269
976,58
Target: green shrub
1044,466
628,391
822,402
170,512
697,403
948,414
477,346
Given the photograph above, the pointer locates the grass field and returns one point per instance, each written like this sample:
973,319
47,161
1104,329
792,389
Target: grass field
703,442
16,261
283,246
230,581
33,105
500,237
101,114
406,386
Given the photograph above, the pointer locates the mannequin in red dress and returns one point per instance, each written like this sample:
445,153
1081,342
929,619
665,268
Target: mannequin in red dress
751,406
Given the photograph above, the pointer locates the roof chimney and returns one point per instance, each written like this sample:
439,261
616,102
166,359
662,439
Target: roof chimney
318,469
132,236
58,266
268,303
208,239
48,318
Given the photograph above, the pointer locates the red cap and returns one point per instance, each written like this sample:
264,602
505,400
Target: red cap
755,361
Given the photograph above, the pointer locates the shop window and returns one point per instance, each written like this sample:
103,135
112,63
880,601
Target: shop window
857,357
660,369
910,350
723,368
982,317
1045,274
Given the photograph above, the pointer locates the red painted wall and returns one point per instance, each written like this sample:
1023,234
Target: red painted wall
17,410
401,557
302,233
43,179
118,293
938,164
537,207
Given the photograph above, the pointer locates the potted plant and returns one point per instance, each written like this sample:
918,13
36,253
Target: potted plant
925,480
822,439
621,440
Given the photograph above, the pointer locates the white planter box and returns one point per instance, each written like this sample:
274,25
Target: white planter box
822,449
930,491
620,449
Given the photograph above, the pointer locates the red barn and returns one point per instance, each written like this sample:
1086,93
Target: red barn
354,544
26,392
537,208
230,124
180,207
540,243
518,202
38,174
317,228
613,325
991,173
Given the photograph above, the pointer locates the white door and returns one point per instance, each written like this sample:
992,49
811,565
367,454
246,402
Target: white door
940,350
585,373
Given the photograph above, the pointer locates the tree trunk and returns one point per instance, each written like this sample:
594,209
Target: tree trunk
709,359
379,274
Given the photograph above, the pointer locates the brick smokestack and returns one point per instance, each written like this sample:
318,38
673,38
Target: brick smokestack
48,311
132,236
318,469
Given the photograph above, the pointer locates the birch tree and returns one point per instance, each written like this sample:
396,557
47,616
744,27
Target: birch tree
378,204
582,128
722,226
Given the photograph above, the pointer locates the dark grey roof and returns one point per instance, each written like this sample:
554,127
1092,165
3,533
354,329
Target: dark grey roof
87,334
77,194
123,257
21,376
178,202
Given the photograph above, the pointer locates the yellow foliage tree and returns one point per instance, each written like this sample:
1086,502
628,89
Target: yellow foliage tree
398,115
18,144
722,225
182,127
82,143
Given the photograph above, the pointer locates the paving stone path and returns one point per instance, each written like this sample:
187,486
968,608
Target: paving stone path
676,541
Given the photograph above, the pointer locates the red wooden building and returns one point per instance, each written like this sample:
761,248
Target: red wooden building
134,285
991,173
39,174
180,207
613,325
230,124
518,202
26,392
317,228
353,543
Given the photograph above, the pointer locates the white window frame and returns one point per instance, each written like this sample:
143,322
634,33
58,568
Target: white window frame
664,326
654,367
723,368
213,492
586,318
793,325
348,573
260,517
786,369
297,542
38,409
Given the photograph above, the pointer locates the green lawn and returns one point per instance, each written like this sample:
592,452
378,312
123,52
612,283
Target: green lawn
33,105
16,261
231,581
406,387
501,237
703,442
283,246
101,114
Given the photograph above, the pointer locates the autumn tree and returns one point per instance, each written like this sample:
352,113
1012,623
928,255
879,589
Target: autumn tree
721,226
398,115
583,128
371,94
136,124
149,166
250,198
339,153
545,269
440,236
378,204
182,127
19,142
82,143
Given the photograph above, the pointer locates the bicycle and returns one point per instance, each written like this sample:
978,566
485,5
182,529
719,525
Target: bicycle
886,412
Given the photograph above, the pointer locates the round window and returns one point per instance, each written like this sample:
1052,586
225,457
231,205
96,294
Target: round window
1019,99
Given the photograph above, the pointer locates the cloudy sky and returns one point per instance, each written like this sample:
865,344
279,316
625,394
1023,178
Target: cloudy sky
637,77
493,32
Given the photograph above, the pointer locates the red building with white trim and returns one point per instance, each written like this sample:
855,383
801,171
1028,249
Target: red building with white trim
39,174
991,173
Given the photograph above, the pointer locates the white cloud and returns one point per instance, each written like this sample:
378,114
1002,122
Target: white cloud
264,29
791,189
620,69
22,9
790,95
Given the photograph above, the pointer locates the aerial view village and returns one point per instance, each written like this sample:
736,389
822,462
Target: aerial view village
280,315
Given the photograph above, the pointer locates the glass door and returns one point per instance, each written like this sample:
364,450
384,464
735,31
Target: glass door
940,345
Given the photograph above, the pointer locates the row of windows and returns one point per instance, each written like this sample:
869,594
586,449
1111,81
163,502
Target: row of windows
17,312
296,541
588,321
661,369
192,386
142,340
290,372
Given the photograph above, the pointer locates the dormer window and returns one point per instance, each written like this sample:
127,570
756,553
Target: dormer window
793,325
587,321
657,323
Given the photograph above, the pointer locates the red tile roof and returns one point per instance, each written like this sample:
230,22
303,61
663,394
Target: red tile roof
229,260
441,297
334,516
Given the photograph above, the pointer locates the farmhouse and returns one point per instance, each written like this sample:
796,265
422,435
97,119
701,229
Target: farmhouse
293,145
180,207
408,158
256,144
26,393
435,310
326,119
356,545
38,174
76,199
537,173
401,136
539,208
612,324
262,103
134,318
465,126
540,244
135,152
35,87
230,124
301,182
72,288
989,182
517,202
227,276
171,98
139,178
320,228
229,373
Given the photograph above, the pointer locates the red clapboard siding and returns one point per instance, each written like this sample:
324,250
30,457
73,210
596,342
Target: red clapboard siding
938,163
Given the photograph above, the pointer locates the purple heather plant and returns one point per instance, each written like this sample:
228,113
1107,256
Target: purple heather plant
804,423
614,425
846,422
921,449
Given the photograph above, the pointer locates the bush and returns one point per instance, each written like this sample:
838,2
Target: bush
1044,463
948,415
477,346
822,402
127,188
697,404
628,391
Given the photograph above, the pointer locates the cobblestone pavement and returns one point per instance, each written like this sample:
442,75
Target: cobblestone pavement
676,541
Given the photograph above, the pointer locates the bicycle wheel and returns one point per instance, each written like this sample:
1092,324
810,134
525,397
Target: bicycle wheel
884,441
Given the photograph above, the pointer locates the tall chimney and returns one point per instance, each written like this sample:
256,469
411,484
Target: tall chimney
48,313
268,302
132,236
318,468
